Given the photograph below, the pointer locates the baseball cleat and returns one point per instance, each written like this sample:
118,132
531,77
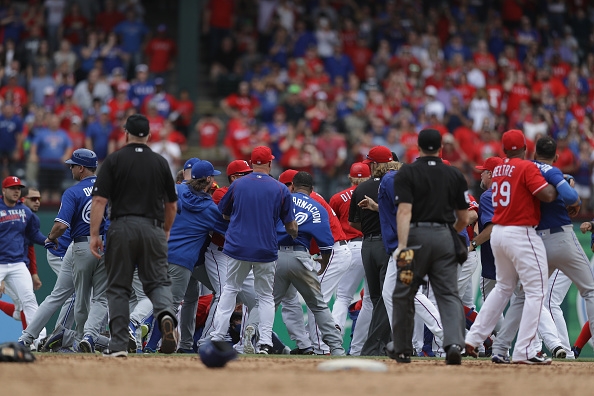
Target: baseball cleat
131,340
500,359
471,351
302,351
454,355
559,353
115,354
536,360
265,350
169,335
184,350
54,341
86,345
248,345
576,351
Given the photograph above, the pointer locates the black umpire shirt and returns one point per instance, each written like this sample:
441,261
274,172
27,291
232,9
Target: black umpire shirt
137,182
369,219
435,189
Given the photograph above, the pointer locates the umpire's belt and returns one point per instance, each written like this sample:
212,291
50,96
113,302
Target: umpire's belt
549,231
294,248
155,222
427,224
79,239
372,237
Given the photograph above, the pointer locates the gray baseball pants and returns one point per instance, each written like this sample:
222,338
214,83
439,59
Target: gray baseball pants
66,316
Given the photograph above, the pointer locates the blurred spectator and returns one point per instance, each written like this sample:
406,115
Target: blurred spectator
98,132
184,112
326,38
218,21
169,150
583,175
567,161
39,82
163,102
161,51
76,133
241,103
68,110
332,147
14,93
109,18
91,88
74,25
156,121
65,55
237,138
432,105
141,87
133,34
55,16
11,139
224,58
49,150
479,109
120,103
303,38
112,54
209,128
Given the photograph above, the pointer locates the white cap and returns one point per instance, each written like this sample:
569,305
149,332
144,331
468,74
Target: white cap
430,90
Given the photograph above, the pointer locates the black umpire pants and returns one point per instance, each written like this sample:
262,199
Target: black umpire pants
135,241
437,259
375,262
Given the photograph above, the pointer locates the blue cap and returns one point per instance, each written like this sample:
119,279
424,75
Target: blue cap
189,163
83,157
202,169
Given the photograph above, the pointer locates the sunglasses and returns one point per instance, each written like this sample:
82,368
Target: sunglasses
34,199
72,166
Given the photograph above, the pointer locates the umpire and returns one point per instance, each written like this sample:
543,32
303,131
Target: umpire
431,196
140,189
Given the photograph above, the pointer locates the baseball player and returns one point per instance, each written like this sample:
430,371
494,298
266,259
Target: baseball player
216,261
517,188
295,266
355,273
556,230
253,204
17,224
89,276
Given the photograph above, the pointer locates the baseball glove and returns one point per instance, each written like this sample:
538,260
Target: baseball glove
16,353
404,261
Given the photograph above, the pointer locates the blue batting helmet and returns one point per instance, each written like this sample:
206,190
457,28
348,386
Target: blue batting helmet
83,157
217,353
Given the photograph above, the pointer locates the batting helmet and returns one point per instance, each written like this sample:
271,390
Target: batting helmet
217,353
83,157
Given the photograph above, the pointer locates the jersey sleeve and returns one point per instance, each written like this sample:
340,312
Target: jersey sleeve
403,187
67,208
287,213
32,229
535,181
226,203
554,177
486,211
462,199
323,235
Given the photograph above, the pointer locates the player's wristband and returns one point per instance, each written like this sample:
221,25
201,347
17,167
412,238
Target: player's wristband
568,178
474,244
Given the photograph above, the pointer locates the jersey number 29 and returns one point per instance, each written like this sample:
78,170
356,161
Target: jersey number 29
501,193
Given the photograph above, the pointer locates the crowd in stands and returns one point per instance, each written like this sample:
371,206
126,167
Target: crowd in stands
322,81
71,72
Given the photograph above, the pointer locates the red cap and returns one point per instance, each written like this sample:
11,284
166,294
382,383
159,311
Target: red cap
359,169
287,176
262,155
379,154
238,166
490,164
12,181
513,139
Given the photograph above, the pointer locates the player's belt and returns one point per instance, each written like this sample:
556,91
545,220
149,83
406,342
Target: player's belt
155,222
294,248
357,239
218,240
427,224
79,239
341,243
548,231
372,237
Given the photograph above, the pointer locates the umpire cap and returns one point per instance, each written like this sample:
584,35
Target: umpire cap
83,157
137,125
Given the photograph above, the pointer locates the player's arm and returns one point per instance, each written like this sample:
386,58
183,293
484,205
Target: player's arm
97,212
57,231
547,194
291,228
472,216
403,216
483,236
368,204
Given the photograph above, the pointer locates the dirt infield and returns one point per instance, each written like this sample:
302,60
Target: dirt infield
86,375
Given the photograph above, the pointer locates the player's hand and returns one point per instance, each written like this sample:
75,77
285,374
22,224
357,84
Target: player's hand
585,227
50,244
323,268
397,252
36,282
470,248
167,233
2,288
96,246
368,203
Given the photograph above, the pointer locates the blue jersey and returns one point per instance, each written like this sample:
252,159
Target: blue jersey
99,134
554,214
16,224
312,219
139,91
63,243
197,215
51,146
75,209
387,212
485,217
9,129
254,204
28,240
132,33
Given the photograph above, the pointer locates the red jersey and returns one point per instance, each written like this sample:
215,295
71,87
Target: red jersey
106,21
517,94
515,183
19,96
495,96
244,104
335,226
219,193
118,108
160,51
340,203
209,134
185,108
